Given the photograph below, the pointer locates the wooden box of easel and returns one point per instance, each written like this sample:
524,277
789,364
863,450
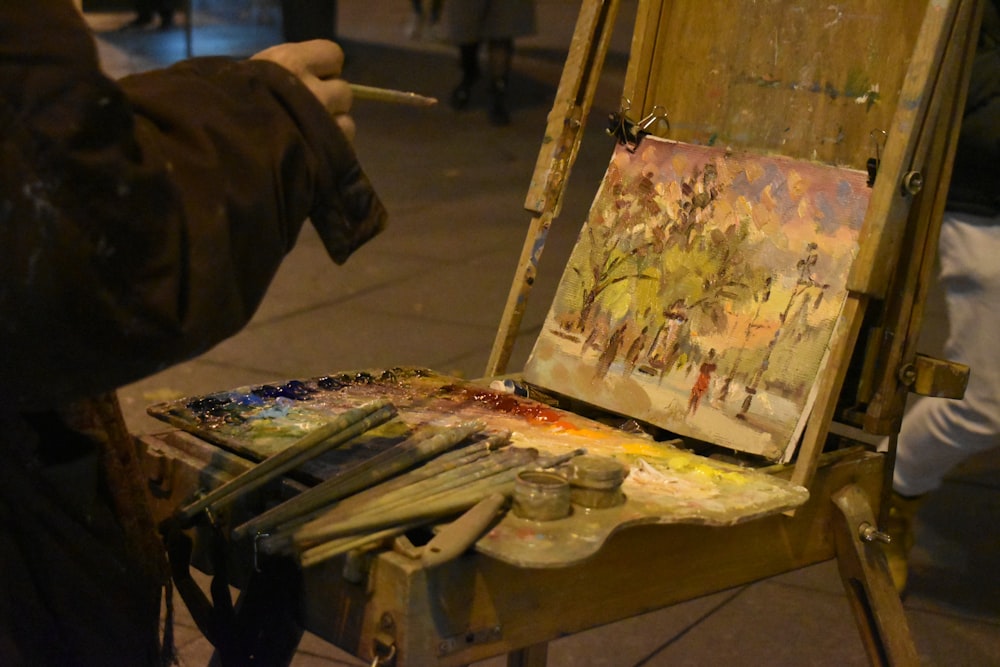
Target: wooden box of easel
869,86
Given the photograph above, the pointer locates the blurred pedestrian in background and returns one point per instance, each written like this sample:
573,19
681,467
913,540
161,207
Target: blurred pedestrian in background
425,19
495,23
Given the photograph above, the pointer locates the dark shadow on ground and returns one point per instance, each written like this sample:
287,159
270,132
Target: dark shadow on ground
956,561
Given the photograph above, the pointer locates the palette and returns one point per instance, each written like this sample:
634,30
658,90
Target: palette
665,484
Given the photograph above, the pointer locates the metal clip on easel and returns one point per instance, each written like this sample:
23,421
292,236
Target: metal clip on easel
873,162
630,133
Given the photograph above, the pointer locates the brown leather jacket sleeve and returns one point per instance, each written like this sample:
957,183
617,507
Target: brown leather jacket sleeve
141,221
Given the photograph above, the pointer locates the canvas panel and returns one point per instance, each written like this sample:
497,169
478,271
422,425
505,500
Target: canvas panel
703,291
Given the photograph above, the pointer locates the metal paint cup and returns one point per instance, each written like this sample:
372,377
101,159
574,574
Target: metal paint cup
540,495
596,481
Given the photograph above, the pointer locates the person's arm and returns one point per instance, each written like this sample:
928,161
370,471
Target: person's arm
141,221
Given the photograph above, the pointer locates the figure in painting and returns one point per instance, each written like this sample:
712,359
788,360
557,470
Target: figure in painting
665,349
635,350
702,382
610,352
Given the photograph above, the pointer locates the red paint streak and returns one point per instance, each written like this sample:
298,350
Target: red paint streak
536,413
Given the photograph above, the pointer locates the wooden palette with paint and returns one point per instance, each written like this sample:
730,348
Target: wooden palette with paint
703,291
665,484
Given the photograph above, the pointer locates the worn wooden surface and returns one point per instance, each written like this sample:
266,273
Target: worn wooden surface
865,573
904,307
571,107
782,76
477,607
560,145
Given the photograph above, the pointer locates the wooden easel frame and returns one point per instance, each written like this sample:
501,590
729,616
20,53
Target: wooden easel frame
917,161
922,136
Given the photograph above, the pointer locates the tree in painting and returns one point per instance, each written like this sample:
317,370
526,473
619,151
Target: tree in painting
703,290
646,245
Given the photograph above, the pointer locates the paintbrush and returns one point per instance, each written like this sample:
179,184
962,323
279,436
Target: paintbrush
456,494
373,470
340,521
394,514
279,540
395,495
344,427
347,535
433,469
419,513
447,544
391,96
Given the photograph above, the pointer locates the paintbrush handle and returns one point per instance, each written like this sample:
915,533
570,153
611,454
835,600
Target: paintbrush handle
404,499
428,503
278,537
364,475
335,548
312,551
450,542
346,426
444,463
391,96
457,495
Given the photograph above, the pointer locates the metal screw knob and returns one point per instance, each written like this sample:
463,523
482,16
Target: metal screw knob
913,182
870,533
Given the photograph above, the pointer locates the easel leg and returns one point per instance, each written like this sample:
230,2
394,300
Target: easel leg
530,656
876,604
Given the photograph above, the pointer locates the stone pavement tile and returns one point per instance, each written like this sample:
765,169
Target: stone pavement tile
770,624
955,563
944,640
345,337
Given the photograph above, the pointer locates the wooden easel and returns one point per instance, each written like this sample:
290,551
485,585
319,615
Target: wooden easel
770,79
920,119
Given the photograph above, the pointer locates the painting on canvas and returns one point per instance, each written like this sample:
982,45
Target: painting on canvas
703,291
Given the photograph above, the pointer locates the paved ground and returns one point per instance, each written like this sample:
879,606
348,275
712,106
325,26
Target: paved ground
430,292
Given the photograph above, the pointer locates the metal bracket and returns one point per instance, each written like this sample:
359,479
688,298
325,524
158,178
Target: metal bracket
927,376
384,642
159,470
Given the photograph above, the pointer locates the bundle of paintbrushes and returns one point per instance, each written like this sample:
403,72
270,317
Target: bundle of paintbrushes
342,429
422,480
445,486
430,443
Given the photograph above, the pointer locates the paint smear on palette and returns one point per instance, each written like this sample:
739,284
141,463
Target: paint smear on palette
703,291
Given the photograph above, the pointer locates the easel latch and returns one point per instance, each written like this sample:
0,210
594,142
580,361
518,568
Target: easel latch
927,376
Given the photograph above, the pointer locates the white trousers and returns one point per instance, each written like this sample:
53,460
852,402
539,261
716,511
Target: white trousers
937,434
